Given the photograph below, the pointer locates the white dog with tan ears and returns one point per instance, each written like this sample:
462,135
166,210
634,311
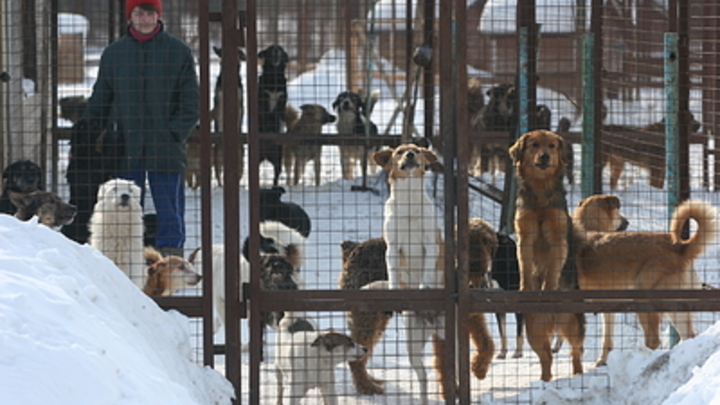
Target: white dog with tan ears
415,248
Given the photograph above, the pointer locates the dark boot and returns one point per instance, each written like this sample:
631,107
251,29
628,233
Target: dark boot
170,251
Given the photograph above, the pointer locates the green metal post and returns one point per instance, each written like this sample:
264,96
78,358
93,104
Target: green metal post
588,130
672,139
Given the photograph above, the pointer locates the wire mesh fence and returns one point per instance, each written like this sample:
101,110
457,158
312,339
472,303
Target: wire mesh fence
347,179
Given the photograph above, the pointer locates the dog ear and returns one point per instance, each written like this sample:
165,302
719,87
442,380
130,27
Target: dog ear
561,151
430,157
612,201
383,158
516,150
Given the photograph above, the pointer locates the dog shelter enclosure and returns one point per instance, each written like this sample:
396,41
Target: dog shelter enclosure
632,87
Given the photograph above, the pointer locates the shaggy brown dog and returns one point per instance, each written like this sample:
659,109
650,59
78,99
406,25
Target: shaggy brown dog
647,261
296,154
363,264
364,267
543,227
50,209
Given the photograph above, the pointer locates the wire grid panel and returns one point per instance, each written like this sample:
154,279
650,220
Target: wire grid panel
328,175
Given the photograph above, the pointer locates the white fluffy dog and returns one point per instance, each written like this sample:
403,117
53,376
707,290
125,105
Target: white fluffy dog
116,227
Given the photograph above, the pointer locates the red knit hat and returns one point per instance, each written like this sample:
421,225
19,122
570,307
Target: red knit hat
131,4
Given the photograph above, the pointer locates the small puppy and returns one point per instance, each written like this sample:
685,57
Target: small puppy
306,358
296,154
116,227
353,118
22,176
167,275
49,208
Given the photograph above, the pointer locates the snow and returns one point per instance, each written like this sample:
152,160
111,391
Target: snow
553,16
75,330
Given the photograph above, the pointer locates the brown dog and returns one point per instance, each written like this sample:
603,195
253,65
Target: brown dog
647,261
168,274
49,208
296,154
364,267
648,156
543,227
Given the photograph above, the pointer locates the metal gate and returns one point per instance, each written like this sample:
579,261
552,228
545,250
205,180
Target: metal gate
606,71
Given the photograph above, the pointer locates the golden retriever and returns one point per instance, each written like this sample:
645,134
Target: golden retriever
543,227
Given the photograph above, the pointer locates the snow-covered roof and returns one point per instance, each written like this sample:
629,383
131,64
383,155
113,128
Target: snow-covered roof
69,23
387,10
554,16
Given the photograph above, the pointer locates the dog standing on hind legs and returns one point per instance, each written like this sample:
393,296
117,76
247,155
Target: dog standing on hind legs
414,256
544,229
272,102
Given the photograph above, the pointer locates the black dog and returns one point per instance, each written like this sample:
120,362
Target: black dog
95,156
272,209
353,119
506,273
272,102
217,116
23,176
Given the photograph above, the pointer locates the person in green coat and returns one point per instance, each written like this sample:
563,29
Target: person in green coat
147,94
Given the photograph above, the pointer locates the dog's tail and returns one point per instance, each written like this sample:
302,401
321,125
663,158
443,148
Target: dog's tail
707,228
289,239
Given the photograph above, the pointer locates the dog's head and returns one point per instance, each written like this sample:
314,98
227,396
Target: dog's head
405,161
167,275
49,208
502,99
539,155
316,113
120,194
274,56
600,213
349,101
338,347
543,116
23,176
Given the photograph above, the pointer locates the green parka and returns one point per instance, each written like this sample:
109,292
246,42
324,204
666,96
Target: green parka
149,92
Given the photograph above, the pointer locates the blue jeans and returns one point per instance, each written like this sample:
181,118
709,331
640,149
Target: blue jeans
168,192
